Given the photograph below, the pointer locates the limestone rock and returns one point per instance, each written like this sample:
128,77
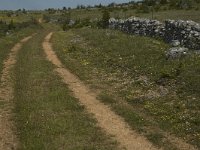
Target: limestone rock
176,52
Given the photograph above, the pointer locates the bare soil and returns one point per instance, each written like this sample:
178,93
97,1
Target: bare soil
111,123
8,138
40,20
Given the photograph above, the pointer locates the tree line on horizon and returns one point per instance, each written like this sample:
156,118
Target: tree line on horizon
143,6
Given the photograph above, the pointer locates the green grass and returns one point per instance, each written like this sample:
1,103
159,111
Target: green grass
162,95
128,70
47,116
7,42
20,17
174,14
161,15
119,13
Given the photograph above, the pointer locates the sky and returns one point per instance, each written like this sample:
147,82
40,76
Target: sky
43,4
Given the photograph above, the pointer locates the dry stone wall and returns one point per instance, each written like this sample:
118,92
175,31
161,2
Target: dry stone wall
177,32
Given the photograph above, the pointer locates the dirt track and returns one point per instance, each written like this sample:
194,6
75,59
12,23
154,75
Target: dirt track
107,119
8,138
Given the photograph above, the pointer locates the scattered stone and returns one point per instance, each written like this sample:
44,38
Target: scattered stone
175,43
176,52
163,91
143,79
197,52
71,22
152,94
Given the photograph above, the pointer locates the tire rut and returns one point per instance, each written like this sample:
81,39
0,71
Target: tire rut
8,138
111,123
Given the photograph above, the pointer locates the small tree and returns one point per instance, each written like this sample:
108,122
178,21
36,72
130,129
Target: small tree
64,8
99,6
105,19
46,18
66,20
9,14
65,27
11,25
24,11
163,2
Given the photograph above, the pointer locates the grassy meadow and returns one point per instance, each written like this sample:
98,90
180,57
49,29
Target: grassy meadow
157,97
132,75
162,15
7,42
19,17
48,117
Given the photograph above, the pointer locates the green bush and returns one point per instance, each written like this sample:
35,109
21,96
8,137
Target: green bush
105,19
143,9
13,26
46,18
